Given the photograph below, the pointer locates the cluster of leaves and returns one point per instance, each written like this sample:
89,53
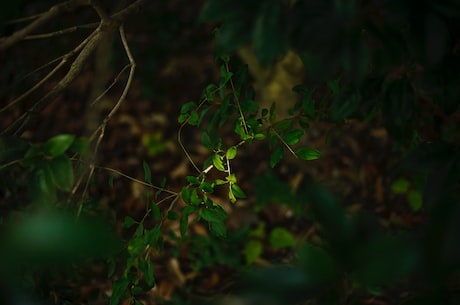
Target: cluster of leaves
394,67
384,67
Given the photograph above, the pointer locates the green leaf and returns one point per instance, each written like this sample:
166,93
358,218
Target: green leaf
148,272
308,153
225,76
283,125
415,200
183,117
220,182
207,187
218,229
206,140
129,222
184,219
276,156
58,145
281,238
194,198
293,137
81,146
110,181
173,215
41,186
218,163
194,119
155,210
237,191
119,291
62,172
400,186
147,172
216,214
187,107
259,136
192,180
252,251
185,194
231,153
231,178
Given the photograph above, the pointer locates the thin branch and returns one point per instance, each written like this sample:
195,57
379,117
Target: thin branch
19,125
101,128
284,142
54,11
100,10
179,140
127,86
243,119
23,19
117,172
115,81
134,7
61,32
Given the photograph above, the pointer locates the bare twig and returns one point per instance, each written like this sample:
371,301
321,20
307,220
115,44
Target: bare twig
64,60
101,128
55,10
127,86
115,81
61,32
100,11
18,126
104,29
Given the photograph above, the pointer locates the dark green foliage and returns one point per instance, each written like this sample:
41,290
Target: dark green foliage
391,63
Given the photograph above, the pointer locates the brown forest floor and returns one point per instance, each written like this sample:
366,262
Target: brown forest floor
175,61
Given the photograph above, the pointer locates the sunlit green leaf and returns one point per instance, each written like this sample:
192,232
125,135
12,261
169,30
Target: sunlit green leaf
308,153
57,145
281,238
237,191
218,163
252,250
231,178
293,137
259,136
231,153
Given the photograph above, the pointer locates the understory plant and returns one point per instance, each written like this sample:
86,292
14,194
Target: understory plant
362,66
